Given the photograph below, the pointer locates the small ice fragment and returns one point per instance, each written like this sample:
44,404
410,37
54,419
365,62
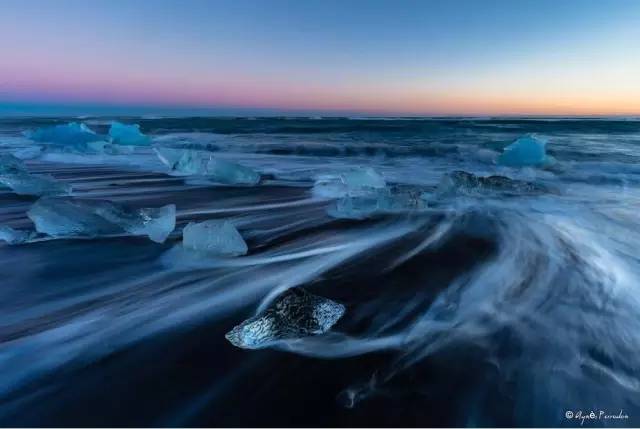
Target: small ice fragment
63,217
294,314
217,237
525,151
358,181
468,183
73,133
14,236
129,135
24,183
193,162
156,223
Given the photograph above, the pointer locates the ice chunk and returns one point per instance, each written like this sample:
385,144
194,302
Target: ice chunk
525,151
294,314
383,201
468,183
14,175
130,135
360,181
217,237
15,236
193,162
73,134
24,183
62,217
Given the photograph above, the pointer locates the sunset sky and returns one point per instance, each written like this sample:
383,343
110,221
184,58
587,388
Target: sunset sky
372,57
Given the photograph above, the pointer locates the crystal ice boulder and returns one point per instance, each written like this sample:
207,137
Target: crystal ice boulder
527,151
359,181
200,163
129,135
294,314
216,237
72,134
67,217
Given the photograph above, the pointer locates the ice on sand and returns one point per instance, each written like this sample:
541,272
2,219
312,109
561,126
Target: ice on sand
23,183
217,237
14,175
66,217
525,151
294,314
193,162
14,236
461,182
358,181
130,135
73,133
382,201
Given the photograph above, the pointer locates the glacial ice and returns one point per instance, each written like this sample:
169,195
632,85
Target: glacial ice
360,181
294,314
382,201
14,236
71,134
14,175
63,217
130,135
24,183
193,162
525,151
218,237
468,183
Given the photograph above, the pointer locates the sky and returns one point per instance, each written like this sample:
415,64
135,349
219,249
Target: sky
458,57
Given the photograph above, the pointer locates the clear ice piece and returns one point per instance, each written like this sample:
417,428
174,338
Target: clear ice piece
66,217
461,182
525,151
218,237
72,134
129,135
359,181
15,236
193,162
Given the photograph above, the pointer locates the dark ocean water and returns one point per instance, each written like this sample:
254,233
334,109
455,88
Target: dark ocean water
487,309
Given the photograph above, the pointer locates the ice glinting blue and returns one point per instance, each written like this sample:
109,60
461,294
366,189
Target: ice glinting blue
71,134
67,217
352,182
14,175
201,163
294,314
525,151
216,237
125,134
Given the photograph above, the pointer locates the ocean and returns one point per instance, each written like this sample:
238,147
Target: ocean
506,302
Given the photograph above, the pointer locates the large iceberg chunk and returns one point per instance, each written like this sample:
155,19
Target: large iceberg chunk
218,237
15,236
360,181
129,135
73,134
294,314
14,175
66,217
461,182
525,151
193,162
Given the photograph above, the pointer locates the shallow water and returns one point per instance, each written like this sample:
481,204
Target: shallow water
478,310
